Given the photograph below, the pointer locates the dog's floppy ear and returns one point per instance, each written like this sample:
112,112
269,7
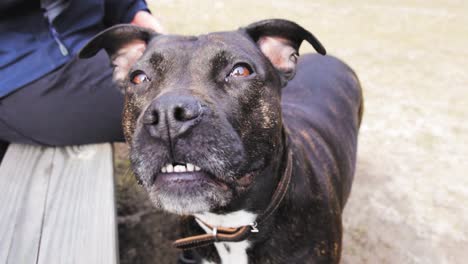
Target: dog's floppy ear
280,40
123,43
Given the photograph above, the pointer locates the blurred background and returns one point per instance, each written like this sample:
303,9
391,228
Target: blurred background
410,194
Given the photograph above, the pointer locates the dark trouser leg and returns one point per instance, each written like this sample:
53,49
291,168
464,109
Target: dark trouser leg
3,148
76,104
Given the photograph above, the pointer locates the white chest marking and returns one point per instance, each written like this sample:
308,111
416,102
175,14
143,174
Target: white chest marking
234,219
229,252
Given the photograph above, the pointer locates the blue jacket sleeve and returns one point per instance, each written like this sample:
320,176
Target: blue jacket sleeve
122,11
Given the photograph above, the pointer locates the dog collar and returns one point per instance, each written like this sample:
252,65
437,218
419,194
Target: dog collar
223,234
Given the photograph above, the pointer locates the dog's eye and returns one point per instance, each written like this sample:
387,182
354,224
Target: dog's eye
139,77
241,70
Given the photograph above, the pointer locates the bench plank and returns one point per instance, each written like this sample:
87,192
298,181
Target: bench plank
65,214
22,202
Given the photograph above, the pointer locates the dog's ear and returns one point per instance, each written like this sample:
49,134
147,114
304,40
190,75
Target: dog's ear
123,43
279,40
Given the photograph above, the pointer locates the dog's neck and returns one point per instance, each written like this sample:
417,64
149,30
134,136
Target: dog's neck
247,214
237,251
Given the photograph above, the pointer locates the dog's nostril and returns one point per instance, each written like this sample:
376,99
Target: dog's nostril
152,118
155,117
179,114
186,113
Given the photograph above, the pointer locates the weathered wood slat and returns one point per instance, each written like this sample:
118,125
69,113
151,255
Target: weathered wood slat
80,207
24,177
60,207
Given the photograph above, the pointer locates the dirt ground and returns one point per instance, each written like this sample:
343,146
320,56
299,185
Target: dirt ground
410,194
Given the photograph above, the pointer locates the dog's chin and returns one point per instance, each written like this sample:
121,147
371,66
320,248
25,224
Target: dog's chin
189,193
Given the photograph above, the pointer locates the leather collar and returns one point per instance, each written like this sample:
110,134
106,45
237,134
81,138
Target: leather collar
222,234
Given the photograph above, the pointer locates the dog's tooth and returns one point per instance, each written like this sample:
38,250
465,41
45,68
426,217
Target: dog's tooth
179,168
197,168
170,168
163,170
190,167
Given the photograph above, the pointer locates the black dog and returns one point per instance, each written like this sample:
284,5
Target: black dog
219,132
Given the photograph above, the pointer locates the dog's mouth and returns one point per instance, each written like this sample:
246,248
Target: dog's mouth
179,168
185,175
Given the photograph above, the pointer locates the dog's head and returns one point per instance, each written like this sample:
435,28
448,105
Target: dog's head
203,114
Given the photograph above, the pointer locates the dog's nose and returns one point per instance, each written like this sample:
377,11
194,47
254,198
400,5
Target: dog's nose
170,116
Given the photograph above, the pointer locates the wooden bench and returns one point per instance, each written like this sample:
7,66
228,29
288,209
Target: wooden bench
57,205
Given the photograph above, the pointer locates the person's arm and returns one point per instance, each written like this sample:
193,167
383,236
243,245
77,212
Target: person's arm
130,11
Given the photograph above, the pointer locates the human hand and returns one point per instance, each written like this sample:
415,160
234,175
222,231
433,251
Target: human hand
145,19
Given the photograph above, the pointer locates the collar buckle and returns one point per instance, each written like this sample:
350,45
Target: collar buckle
254,228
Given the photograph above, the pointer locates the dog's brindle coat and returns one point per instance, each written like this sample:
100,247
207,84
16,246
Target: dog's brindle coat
222,101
